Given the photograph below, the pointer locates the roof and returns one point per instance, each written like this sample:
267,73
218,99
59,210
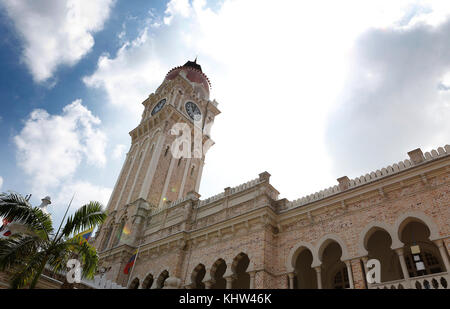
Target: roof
193,64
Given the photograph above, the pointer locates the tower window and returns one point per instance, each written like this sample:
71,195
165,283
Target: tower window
167,151
192,170
179,161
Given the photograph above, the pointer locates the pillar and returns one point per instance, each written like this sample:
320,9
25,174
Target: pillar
291,280
208,284
319,277
443,252
364,260
252,279
401,257
350,274
229,280
358,274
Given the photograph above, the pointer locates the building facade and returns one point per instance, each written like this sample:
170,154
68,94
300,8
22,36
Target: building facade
246,236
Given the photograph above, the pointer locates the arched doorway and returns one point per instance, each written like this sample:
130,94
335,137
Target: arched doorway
239,268
378,245
134,284
148,282
161,279
217,270
305,275
197,277
416,236
333,271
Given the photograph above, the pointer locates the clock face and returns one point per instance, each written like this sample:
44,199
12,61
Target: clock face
158,106
193,111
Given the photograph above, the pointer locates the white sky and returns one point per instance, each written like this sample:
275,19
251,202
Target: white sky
280,74
309,90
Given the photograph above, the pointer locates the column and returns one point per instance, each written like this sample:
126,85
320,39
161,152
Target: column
152,166
359,282
443,252
208,284
350,274
113,234
199,176
166,182
252,279
291,280
364,260
229,280
187,169
319,277
130,168
399,252
142,155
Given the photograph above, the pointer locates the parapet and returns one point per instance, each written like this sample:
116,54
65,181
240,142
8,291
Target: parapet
263,177
416,158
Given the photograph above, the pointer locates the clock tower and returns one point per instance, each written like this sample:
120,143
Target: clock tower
166,156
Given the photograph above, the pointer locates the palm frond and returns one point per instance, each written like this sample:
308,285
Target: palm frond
86,217
27,273
61,253
15,250
16,208
87,254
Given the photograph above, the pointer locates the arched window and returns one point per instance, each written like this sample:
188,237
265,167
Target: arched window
341,279
179,161
151,149
192,170
167,151
334,272
415,234
217,271
148,282
197,277
107,237
119,232
239,268
430,261
305,276
161,279
134,284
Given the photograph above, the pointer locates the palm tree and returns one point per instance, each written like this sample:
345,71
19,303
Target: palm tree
26,254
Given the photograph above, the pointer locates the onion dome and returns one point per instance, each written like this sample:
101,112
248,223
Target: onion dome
193,73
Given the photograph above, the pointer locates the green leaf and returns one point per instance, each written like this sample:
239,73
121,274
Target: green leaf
86,217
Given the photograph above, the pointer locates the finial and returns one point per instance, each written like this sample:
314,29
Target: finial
195,61
45,202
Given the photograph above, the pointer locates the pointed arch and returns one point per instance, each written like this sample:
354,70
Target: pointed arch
325,241
295,252
371,228
417,216
134,284
148,281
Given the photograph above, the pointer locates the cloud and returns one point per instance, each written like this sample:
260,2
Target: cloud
278,73
118,151
127,77
56,32
395,98
83,192
51,147
1,182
